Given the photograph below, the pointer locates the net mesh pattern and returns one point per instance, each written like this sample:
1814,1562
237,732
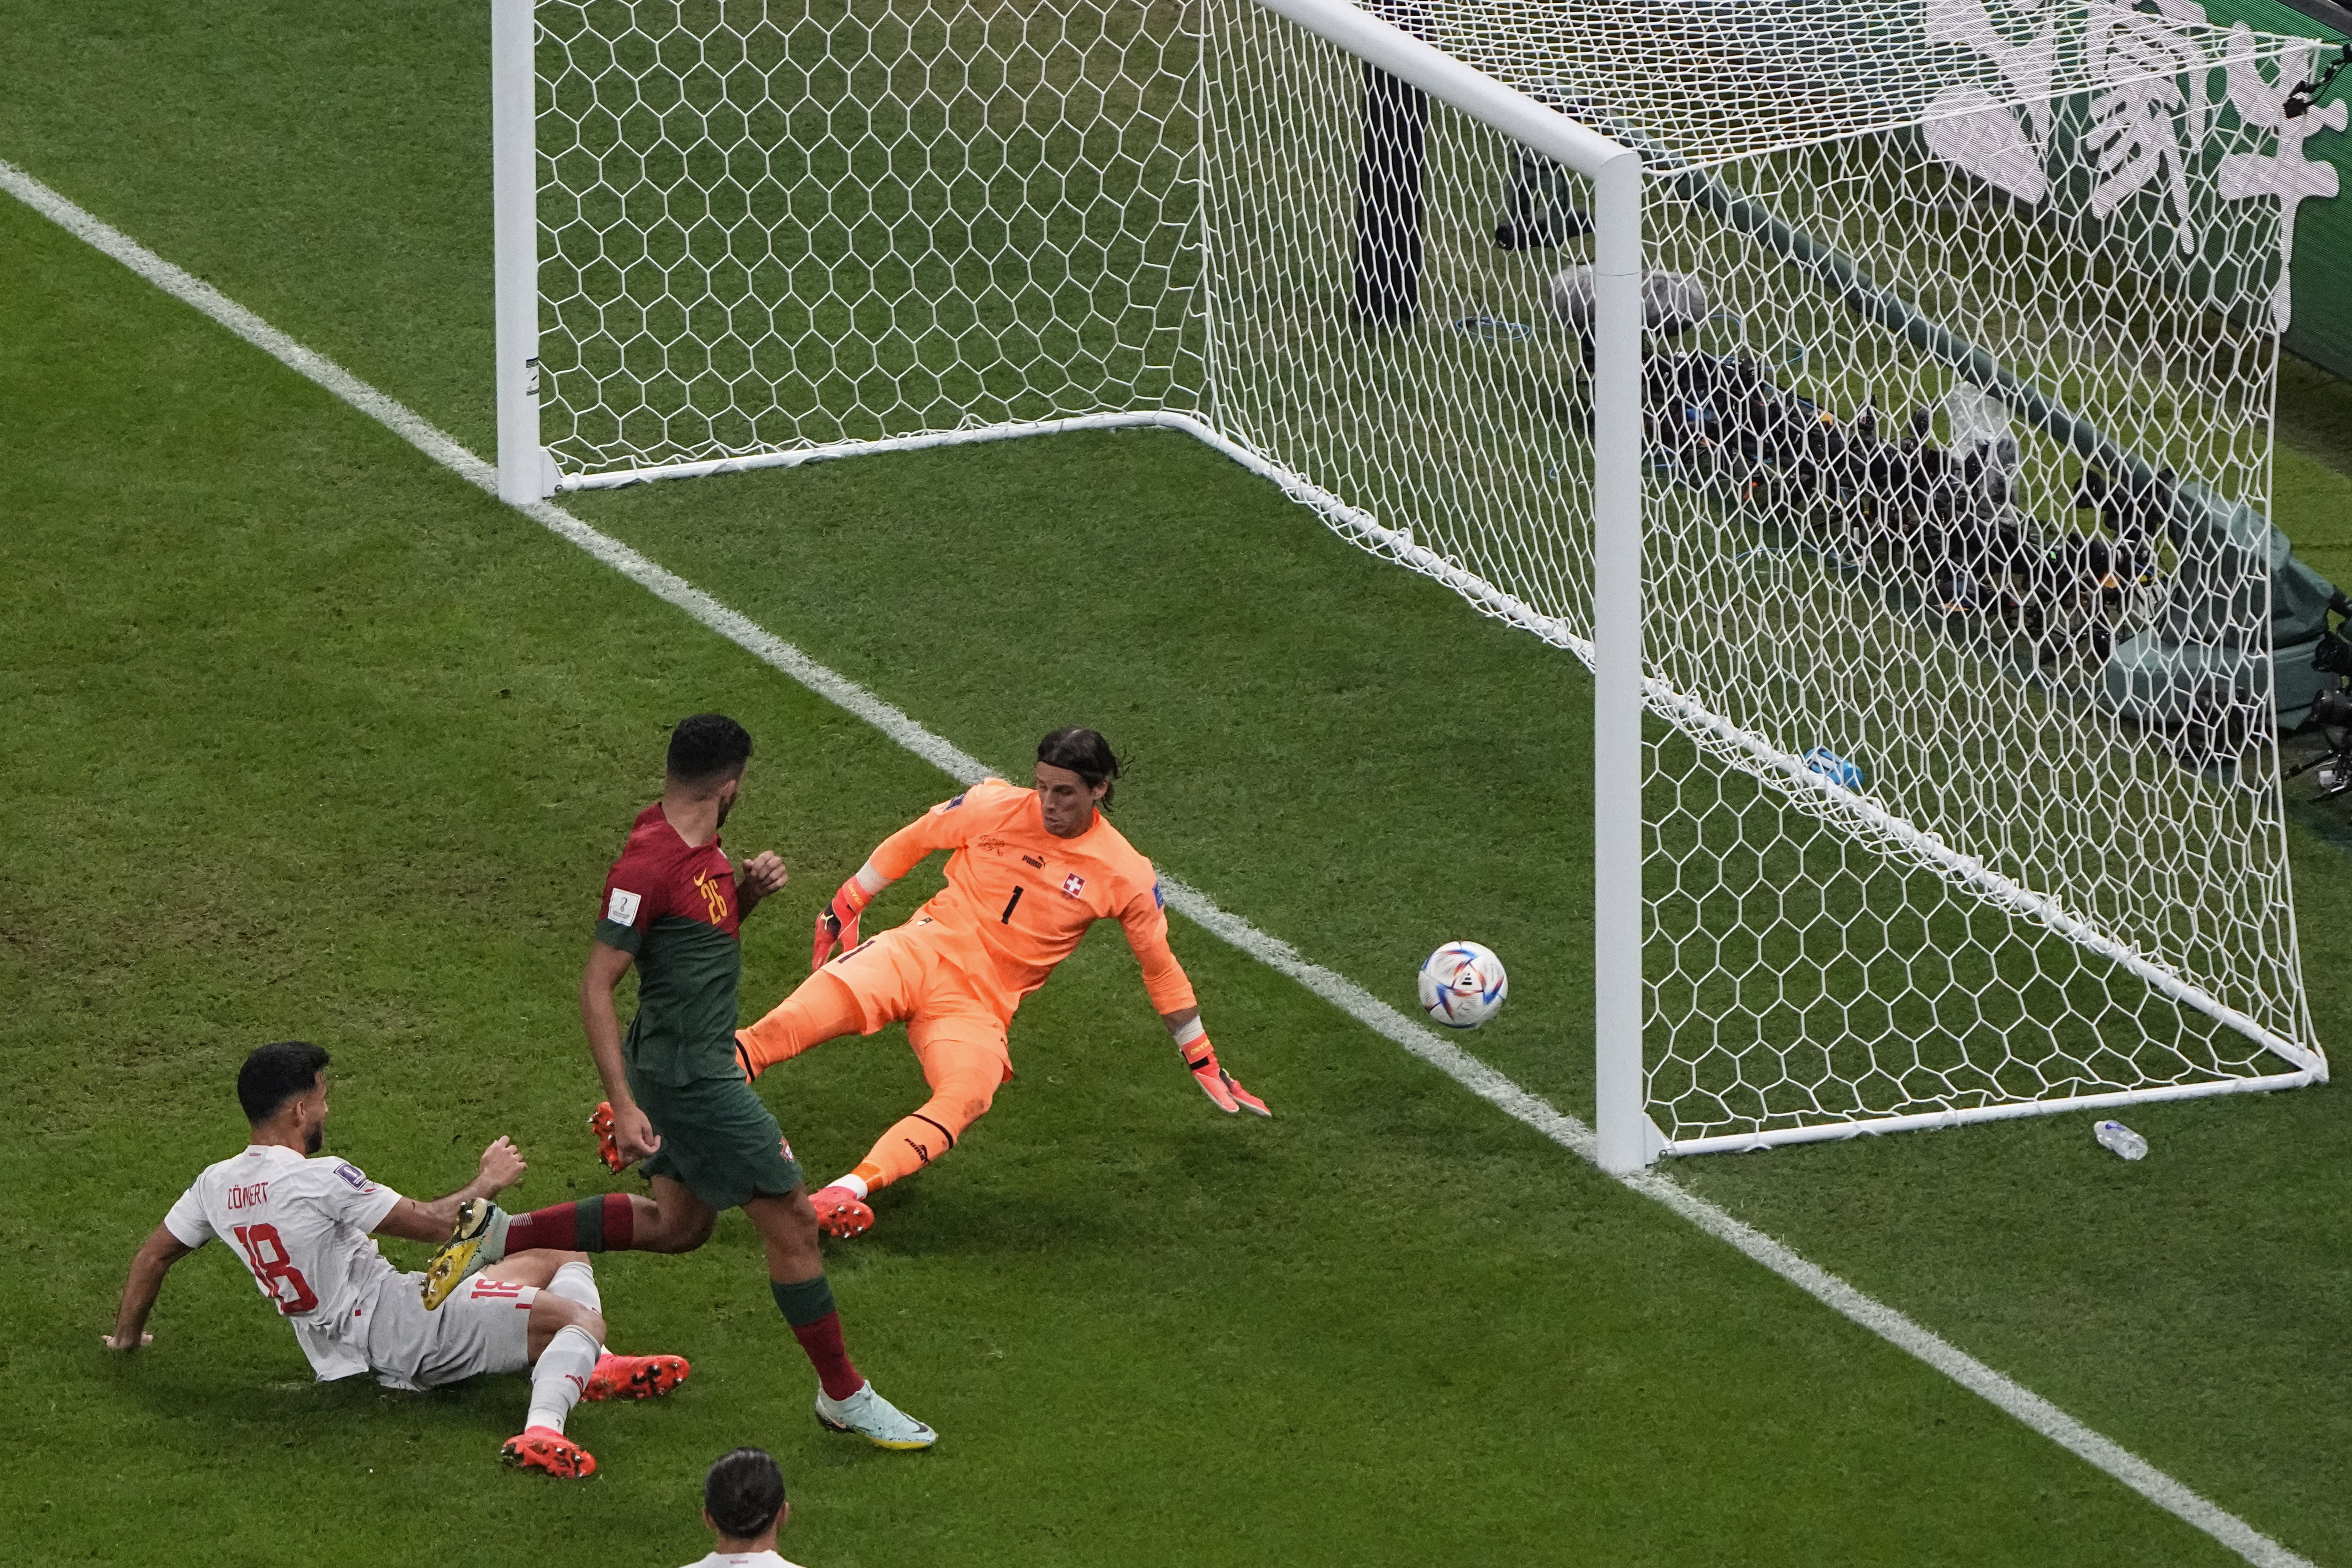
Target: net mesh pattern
770,227
1713,80
1960,790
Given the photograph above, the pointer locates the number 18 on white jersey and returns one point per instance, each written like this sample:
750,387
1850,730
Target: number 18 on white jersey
300,1226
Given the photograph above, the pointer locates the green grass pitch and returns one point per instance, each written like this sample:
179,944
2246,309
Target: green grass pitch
305,737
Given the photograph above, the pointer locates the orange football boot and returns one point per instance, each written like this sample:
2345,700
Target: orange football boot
636,1376
545,1449
841,1213
608,1149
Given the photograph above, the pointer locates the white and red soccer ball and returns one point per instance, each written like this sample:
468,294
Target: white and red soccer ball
1462,985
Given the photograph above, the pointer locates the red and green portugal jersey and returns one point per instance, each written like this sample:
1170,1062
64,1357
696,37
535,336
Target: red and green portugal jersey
673,906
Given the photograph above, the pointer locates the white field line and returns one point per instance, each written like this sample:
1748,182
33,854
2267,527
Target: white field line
1342,992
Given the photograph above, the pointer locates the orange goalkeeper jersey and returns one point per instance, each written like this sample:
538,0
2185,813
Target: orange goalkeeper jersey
1019,900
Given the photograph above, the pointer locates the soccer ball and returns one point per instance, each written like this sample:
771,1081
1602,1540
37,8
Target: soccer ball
1462,985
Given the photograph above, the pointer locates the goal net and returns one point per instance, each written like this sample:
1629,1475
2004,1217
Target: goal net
1960,787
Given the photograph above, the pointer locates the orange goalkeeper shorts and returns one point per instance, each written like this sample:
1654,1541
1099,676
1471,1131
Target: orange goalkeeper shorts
909,974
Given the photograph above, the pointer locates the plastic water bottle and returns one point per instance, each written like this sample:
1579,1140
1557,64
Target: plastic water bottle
2118,1139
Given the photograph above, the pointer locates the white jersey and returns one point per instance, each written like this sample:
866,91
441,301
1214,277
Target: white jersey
743,1560
301,1227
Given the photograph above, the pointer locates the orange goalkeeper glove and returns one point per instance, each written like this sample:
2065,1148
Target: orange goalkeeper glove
836,924
1200,1061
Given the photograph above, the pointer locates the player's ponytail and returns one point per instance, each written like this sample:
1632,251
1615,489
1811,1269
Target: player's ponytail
1085,754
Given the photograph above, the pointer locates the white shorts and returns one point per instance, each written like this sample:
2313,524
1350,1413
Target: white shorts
484,1327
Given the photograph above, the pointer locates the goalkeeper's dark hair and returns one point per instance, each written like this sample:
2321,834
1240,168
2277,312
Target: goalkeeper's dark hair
743,1493
1085,754
708,748
276,1073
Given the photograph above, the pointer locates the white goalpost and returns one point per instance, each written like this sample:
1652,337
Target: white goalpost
1877,396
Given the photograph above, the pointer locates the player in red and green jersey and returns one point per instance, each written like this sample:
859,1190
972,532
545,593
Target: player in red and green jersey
1030,871
677,1103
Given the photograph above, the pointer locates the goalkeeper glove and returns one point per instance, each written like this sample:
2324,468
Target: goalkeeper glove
836,924
1200,1061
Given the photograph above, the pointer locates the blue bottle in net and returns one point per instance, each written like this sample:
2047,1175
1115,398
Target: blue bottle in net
1834,768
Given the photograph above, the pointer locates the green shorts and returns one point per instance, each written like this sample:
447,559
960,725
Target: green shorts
719,1137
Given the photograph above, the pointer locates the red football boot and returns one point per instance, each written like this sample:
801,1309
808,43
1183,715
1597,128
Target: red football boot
636,1376
548,1451
841,1213
607,1148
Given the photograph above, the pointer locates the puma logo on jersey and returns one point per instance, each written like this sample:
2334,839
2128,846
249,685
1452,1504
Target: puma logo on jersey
1036,860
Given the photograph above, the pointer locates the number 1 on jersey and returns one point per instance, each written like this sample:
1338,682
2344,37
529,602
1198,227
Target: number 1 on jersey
1006,918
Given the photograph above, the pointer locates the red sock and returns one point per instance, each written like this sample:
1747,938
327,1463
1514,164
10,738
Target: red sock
822,1339
592,1224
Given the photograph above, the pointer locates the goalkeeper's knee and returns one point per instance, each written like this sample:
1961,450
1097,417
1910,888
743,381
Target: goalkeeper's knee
821,1010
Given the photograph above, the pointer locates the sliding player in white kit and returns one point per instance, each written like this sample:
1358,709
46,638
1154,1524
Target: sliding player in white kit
303,1226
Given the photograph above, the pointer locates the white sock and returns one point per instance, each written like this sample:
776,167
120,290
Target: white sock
577,1282
560,1376
854,1184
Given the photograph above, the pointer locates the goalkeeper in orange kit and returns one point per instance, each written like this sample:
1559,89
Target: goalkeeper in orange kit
1031,871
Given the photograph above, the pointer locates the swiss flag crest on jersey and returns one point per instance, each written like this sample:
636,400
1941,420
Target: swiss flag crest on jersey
1073,885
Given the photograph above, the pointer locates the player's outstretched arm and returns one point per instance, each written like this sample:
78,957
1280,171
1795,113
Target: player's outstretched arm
1145,921
502,1167
148,1265
633,1132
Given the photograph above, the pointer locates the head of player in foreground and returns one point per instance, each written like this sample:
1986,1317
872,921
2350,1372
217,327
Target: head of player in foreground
743,1503
302,1226
1076,772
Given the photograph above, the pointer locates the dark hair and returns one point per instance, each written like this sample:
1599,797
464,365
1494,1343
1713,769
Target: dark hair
1085,752
707,745
744,1492
275,1074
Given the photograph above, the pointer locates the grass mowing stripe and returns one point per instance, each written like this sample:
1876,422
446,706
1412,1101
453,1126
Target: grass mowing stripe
1893,1327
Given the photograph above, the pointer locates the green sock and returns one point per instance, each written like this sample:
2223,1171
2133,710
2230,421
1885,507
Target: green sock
802,1302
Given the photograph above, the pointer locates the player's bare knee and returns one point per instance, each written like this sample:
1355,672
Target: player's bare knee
669,1232
684,1238
790,1233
